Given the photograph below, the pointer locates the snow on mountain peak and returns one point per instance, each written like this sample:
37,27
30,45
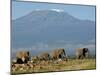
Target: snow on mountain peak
57,10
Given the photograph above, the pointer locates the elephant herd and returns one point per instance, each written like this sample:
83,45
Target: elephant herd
24,56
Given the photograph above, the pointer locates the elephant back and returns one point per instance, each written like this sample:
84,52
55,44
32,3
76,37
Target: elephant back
79,50
22,54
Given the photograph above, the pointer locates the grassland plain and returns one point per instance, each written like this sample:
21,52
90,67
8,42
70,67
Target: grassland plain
70,65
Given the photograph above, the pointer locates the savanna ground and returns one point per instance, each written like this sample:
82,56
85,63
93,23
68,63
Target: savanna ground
70,65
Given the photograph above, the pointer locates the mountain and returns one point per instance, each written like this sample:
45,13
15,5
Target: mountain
48,26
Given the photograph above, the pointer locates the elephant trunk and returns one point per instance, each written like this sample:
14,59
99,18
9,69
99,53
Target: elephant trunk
65,54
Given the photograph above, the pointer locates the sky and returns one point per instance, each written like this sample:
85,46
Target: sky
79,11
83,12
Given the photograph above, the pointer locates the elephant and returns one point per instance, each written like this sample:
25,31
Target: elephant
34,59
82,52
22,57
59,54
44,56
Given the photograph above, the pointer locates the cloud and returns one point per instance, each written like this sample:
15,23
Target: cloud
68,45
61,41
92,41
37,46
90,46
41,47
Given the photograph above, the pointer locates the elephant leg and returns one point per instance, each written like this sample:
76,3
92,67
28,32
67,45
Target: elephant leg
19,61
82,56
87,55
53,58
57,57
25,61
79,57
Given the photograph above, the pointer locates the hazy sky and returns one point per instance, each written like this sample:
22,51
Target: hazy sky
79,11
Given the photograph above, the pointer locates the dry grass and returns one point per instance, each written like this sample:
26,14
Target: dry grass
72,64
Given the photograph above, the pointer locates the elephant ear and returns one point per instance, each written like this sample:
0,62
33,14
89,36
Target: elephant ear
62,50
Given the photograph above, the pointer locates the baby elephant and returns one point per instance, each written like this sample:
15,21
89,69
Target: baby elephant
82,53
44,56
34,59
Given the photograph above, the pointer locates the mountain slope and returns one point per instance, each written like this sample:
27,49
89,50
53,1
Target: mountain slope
49,26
